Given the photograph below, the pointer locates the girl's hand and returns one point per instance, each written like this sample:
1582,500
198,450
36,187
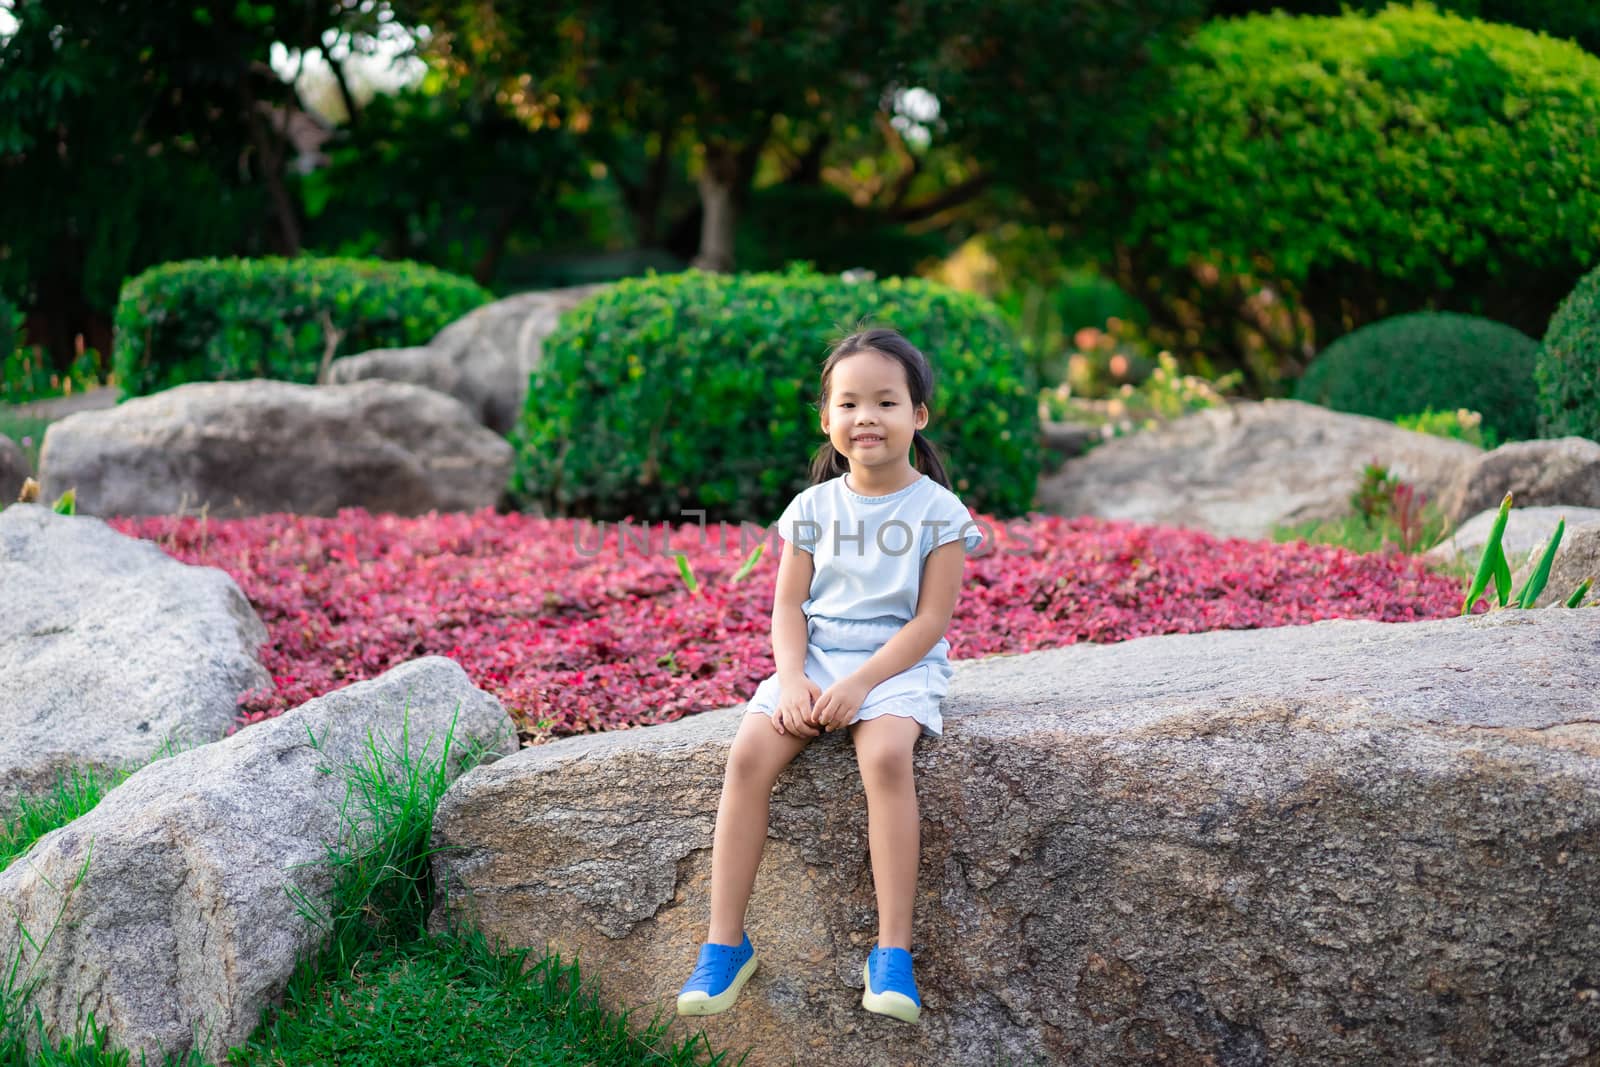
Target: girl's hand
839,704
794,706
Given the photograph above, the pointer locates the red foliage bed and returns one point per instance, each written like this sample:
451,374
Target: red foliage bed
576,629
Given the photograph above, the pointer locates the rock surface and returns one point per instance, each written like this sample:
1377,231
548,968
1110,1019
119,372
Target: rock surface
1348,842
1559,471
1240,470
1577,558
1527,530
109,648
183,925
252,447
14,470
483,359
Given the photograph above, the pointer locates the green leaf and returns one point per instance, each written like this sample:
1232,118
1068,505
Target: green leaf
687,574
1541,574
1578,594
1502,576
66,503
750,562
1486,565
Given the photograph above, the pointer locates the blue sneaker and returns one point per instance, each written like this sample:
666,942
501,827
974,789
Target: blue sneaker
890,988
719,975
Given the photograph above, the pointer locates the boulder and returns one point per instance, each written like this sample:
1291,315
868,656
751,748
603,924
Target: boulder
1240,470
1577,558
14,470
110,649
1527,529
184,928
1064,440
1556,471
1348,842
253,447
483,359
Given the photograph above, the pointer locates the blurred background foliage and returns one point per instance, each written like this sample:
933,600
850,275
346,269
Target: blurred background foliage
1157,191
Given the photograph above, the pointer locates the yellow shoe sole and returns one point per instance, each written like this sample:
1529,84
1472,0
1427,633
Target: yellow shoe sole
699,1002
895,1005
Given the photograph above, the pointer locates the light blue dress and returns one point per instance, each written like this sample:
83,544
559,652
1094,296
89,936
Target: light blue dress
867,554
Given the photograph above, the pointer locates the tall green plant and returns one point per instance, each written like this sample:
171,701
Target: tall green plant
1494,567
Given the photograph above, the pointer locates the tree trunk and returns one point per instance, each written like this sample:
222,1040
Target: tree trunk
719,217
484,270
724,189
270,154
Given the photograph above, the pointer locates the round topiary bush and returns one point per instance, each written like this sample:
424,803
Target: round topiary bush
1567,368
678,392
1368,164
1439,360
230,319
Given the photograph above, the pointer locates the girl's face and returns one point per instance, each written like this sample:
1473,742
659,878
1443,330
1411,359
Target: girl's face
869,416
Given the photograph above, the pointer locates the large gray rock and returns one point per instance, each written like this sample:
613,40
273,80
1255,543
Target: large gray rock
252,447
14,469
1577,558
1348,842
1240,470
1527,529
110,648
483,359
1557,471
184,924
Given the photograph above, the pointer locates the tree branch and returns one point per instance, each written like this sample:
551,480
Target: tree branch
951,197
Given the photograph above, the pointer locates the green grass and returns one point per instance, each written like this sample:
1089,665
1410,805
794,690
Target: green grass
74,793
21,427
380,988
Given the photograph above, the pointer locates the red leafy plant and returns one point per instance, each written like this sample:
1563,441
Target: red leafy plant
575,630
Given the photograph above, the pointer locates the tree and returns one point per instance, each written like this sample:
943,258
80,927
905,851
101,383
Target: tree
642,83
131,133
1033,91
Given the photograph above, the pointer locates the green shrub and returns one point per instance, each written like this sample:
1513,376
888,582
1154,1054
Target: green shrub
1572,19
696,390
1567,368
1442,360
1364,165
226,320
1461,425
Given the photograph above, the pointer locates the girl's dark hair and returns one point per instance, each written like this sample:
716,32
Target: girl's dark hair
828,463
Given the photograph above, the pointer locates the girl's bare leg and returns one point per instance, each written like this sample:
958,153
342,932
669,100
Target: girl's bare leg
758,756
883,752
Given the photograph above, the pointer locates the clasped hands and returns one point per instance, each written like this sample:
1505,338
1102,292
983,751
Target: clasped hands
805,709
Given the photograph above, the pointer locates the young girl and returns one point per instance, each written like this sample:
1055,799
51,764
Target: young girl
871,568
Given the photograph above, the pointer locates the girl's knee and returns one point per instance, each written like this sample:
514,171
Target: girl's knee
884,762
758,753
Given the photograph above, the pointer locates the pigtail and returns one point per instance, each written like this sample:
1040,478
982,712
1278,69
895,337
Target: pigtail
827,464
929,461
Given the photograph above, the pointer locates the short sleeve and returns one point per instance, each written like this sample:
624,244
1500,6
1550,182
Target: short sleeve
798,524
949,520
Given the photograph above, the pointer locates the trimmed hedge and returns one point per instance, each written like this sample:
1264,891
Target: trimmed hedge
676,392
1576,20
232,319
1439,360
1407,154
1567,369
